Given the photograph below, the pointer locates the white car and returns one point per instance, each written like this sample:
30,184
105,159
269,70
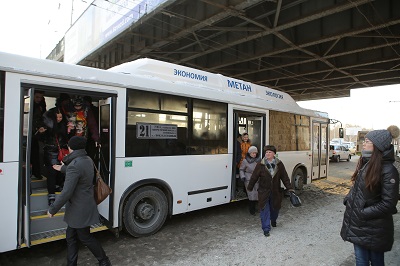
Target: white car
339,152
351,147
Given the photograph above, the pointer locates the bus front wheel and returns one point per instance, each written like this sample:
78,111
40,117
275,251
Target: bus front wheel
145,211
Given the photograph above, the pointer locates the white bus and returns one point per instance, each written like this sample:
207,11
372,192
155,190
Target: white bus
168,136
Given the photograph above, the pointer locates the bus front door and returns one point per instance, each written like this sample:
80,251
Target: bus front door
252,124
106,162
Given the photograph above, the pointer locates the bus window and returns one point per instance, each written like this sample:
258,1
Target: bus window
161,109
207,136
209,128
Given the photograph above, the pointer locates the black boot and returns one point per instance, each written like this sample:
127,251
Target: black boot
51,198
105,262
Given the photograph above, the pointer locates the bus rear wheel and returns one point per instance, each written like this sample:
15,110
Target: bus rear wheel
145,212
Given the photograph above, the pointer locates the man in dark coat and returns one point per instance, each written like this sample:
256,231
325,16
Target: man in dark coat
80,207
269,173
39,108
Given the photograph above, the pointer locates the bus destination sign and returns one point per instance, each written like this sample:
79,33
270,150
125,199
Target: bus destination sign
156,131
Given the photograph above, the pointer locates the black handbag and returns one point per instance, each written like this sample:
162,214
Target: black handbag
294,199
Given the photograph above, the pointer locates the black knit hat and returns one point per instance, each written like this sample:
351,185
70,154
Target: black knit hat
77,143
382,138
270,148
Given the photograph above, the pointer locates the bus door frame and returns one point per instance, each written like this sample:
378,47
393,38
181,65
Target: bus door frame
24,233
251,115
107,110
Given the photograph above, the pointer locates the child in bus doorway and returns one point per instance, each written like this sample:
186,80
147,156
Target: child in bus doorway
244,146
246,169
269,173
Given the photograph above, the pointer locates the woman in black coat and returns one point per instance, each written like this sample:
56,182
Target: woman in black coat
371,202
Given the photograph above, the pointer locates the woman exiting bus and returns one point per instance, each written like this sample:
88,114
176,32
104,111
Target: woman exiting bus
54,138
246,169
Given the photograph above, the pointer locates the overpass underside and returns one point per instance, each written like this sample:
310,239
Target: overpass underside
311,49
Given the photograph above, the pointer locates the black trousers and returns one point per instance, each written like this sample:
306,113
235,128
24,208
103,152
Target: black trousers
84,235
35,158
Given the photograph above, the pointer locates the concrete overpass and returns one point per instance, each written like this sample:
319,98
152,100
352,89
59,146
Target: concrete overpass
311,49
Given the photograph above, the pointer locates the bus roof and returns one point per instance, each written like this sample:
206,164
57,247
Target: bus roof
153,75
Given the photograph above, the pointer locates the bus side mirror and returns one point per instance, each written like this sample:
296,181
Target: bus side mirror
341,133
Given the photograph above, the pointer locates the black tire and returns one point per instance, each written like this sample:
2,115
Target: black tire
337,158
349,158
145,212
298,179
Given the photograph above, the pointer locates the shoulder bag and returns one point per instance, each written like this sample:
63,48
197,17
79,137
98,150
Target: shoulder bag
101,189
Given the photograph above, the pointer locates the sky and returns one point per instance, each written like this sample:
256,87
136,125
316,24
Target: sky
33,28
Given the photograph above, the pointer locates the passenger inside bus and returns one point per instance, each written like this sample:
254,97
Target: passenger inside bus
65,119
54,138
39,108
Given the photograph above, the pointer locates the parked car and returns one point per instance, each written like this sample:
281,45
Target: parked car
351,147
339,152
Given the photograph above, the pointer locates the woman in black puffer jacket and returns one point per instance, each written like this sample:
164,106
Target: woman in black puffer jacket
371,202
53,137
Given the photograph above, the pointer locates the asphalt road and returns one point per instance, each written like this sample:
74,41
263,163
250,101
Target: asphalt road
228,235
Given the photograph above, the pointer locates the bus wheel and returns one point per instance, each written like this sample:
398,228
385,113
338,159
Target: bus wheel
298,179
145,212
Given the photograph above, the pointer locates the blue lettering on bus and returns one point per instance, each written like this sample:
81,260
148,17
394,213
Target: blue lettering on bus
274,94
186,74
238,85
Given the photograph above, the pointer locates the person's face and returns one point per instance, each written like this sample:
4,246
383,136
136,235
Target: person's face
269,155
367,145
59,118
38,97
253,154
245,138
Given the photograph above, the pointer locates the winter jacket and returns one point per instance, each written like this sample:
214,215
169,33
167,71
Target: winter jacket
56,132
83,120
368,220
244,147
77,194
246,170
37,120
268,183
